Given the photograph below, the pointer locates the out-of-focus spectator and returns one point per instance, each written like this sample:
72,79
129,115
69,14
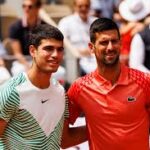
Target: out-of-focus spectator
140,46
18,32
133,14
75,28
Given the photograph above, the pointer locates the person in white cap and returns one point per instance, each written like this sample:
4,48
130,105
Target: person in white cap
139,57
132,13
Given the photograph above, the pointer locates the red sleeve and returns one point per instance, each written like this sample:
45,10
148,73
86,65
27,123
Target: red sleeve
147,89
73,97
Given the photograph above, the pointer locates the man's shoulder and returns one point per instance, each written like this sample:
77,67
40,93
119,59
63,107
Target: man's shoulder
16,24
136,73
139,77
12,83
84,80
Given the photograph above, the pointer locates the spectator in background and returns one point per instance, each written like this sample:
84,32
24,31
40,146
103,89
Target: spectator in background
114,98
18,33
140,45
132,22
76,29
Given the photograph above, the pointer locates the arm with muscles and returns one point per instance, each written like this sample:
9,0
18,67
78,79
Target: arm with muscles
73,135
3,125
137,54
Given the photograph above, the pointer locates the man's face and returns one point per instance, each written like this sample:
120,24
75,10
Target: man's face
82,8
48,55
106,48
29,8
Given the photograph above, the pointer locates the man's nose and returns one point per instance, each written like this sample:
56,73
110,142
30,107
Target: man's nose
55,53
110,45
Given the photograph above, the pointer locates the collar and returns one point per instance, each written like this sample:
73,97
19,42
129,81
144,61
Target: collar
122,80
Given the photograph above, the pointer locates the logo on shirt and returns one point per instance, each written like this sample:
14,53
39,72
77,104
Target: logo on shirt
131,99
44,100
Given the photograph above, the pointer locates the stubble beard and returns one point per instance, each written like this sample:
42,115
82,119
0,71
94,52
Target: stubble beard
109,64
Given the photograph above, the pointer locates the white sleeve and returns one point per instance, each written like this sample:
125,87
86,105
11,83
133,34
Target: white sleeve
137,54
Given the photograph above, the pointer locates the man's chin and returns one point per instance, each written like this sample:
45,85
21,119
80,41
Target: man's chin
50,71
112,62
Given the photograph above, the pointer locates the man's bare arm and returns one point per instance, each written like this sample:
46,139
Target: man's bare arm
73,135
3,125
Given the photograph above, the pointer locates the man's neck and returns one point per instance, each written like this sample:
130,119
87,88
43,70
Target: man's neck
40,80
32,21
110,73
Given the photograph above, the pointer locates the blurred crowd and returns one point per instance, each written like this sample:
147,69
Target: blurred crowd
132,17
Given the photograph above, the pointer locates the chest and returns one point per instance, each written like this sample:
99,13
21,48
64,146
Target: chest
43,103
45,107
122,103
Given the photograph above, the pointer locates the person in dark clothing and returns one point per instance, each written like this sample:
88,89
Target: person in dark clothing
18,32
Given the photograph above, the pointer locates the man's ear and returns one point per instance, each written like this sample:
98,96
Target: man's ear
91,47
32,50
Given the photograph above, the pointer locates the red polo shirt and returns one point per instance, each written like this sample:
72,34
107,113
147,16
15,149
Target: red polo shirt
116,116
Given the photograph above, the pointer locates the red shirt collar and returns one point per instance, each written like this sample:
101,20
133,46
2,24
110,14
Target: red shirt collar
123,77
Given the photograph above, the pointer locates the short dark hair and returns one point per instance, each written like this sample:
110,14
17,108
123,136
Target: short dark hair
44,31
102,24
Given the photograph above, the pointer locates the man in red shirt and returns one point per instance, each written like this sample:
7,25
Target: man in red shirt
114,98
